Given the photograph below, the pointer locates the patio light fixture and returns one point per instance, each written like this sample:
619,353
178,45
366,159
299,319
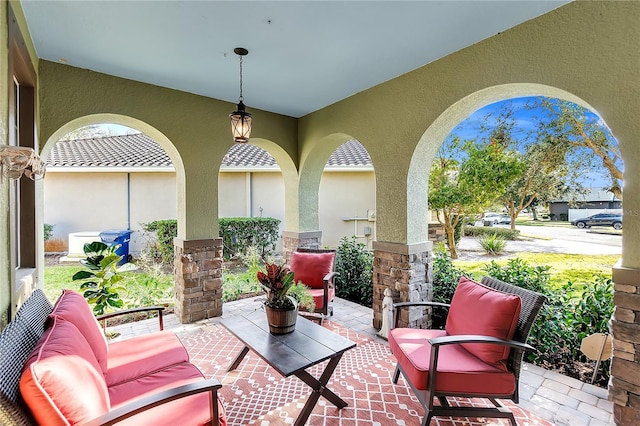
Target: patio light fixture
16,161
240,119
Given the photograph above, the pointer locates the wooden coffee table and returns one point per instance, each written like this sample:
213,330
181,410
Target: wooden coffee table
291,354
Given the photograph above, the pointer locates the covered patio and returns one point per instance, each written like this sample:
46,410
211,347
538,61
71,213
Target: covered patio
584,52
544,395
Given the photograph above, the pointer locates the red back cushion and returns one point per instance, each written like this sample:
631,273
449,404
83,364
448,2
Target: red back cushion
62,382
478,309
311,268
73,307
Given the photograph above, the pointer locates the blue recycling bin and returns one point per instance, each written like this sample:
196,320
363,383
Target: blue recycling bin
114,237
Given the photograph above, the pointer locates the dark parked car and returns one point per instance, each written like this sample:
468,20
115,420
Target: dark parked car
600,219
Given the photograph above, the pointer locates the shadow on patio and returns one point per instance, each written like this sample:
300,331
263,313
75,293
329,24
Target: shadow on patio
544,395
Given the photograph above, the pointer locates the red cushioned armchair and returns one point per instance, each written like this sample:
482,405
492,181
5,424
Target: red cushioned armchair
316,269
479,353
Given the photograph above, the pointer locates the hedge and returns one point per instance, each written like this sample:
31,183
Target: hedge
480,231
238,233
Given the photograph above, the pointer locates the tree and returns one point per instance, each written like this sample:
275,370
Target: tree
465,178
584,134
546,174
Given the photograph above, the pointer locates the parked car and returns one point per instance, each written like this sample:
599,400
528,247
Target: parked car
505,219
600,219
495,218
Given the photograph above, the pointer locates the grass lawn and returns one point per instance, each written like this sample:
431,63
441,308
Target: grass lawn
141,288
578,268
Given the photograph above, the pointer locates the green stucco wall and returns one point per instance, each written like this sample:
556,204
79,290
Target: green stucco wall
193,129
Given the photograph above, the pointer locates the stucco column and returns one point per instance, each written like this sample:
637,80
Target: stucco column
198,279
624,384
292,240
406,269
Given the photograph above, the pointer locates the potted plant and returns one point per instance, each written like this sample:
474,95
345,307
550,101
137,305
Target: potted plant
284,297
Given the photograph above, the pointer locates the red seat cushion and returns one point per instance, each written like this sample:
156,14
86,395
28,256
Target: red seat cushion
478,309
318,296
143,355
192,410
62,382
73,307
459,372
311,268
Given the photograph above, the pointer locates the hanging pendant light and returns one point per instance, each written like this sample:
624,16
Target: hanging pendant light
240,119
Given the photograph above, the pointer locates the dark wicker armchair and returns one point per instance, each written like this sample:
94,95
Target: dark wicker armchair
437,364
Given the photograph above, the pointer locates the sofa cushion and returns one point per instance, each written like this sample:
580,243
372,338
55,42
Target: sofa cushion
458,370
192,410
477,309
62,382
73,307
142,355
311,268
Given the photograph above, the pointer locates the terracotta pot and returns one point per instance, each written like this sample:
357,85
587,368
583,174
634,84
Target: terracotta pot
281,321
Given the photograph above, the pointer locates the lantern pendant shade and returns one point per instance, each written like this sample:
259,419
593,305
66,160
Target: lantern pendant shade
240,119
240,124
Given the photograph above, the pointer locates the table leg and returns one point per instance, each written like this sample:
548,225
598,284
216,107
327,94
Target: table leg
238,359
319,389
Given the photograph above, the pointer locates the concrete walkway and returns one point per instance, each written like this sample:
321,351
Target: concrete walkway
552,396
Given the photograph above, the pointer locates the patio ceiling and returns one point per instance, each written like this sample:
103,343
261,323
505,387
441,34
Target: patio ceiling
303,55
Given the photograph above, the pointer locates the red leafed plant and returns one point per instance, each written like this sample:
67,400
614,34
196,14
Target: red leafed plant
276,281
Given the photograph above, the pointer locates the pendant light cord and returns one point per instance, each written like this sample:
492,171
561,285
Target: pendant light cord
241,79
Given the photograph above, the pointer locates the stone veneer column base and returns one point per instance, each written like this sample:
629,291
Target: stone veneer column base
198,279
406,269
293,240
624,384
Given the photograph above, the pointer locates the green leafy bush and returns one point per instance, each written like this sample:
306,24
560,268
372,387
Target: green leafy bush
518,272
445,281
479,231
240,233
569,314
166,230
48,231
354,264
492,244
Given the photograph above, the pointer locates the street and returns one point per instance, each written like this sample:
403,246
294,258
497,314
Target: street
549,239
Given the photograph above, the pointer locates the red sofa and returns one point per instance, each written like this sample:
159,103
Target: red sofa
74,376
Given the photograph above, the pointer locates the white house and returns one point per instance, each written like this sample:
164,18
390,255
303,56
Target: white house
121,182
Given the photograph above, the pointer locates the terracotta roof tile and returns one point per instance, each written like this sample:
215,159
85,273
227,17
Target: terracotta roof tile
139,150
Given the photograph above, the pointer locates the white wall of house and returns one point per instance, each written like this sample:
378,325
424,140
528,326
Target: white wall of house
98,201
90,201
347,195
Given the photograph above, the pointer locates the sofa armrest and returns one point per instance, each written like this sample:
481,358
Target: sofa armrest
159,309
135,407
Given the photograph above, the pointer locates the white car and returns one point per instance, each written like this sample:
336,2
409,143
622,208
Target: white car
495,218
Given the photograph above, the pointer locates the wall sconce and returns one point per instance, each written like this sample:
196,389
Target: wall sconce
16,161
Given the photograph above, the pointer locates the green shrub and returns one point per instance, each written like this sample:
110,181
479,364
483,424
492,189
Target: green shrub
569,314
479,231
166,230
492,244
564,216
237,234
518,272
445,281
354,264
240,233
48,231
